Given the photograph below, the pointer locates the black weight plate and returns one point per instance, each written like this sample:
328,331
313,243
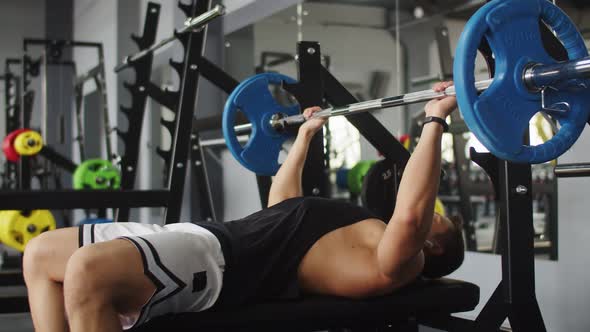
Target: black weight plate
378,193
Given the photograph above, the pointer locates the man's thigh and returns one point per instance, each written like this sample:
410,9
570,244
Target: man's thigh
120,266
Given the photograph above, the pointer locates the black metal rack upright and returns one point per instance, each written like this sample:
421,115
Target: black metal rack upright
515,296
226,83
309,91
315,85
180,102
194,44
130,138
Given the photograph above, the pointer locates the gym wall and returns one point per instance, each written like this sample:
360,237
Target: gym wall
15,24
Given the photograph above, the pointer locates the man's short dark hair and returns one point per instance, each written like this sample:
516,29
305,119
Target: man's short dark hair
437,266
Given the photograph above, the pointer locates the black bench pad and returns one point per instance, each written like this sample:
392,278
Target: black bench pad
436,297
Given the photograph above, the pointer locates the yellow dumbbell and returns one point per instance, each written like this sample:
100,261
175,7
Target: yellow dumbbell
28,143
439,207
17,229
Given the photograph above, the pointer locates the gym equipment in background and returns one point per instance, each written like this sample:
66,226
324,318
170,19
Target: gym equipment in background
97,174
253,98
378,190
8,145
527,81
17,228
92,174
352,179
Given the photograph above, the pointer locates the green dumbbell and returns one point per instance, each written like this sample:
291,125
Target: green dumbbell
357,174
97,174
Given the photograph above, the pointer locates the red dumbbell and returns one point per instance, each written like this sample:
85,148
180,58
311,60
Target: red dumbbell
8,145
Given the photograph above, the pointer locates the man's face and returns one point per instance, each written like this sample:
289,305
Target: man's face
440,227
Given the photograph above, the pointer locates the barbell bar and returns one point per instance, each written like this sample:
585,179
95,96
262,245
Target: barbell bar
279,123
535,76
191,24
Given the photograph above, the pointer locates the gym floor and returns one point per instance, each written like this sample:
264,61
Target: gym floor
16,323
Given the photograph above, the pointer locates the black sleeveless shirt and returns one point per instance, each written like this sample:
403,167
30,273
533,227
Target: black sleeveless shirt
263,250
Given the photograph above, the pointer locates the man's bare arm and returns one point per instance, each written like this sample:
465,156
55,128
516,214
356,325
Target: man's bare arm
405,235
287,182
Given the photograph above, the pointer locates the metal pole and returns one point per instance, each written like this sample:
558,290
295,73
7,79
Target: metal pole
398,61
572,170
299,22
190,24
44,100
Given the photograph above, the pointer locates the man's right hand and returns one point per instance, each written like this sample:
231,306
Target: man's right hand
312,126
441,107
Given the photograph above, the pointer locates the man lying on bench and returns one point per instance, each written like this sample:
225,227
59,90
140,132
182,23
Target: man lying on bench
108,277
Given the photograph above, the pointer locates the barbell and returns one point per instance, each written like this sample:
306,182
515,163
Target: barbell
527,81
191,24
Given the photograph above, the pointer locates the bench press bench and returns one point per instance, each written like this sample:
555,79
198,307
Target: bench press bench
422,299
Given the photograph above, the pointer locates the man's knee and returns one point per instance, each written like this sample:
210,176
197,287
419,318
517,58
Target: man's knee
35,256
85,281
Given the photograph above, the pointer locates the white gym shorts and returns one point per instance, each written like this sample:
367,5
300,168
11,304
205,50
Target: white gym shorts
184,261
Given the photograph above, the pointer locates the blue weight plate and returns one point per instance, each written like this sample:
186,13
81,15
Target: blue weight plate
500,116
253,98
342,178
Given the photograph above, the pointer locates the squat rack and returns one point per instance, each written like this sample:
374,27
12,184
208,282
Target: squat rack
515,296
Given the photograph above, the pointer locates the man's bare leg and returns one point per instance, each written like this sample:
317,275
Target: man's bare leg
102,281
44,266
